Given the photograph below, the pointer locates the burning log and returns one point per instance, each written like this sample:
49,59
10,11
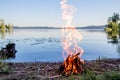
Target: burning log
72,65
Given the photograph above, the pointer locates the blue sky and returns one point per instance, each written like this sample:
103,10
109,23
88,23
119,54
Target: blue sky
48,12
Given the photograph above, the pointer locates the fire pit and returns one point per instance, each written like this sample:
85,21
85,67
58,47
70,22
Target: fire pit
72,65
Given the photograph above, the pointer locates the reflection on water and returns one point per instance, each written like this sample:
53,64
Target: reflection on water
3,33
114,38
118,48
4,28
5,52
44,44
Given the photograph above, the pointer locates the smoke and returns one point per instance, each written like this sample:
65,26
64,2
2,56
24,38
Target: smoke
68,11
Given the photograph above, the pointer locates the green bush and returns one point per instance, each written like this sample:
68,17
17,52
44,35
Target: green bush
5,69
111,76
3,65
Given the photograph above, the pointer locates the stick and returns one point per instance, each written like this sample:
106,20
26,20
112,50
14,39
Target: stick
56,76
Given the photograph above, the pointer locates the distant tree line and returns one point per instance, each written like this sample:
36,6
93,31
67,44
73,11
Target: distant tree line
113,23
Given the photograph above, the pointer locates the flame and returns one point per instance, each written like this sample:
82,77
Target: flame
70,36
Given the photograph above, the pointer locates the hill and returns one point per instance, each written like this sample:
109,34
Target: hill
48,27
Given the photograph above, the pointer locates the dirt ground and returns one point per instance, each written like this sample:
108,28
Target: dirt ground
50,71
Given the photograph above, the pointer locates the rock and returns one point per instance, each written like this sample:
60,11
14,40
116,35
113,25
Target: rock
9,51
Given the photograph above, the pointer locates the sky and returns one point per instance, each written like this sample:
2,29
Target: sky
48,12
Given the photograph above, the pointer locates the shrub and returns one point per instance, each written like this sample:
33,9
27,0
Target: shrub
111,75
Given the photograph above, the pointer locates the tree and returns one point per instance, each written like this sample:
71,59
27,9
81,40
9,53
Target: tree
113,22
115,17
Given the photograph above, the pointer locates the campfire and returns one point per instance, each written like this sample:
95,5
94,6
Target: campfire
72,65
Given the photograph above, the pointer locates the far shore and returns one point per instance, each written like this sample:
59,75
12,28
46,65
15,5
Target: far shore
48,27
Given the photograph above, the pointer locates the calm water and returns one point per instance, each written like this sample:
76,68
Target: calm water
44,45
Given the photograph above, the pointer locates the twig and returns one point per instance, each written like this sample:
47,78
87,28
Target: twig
56,76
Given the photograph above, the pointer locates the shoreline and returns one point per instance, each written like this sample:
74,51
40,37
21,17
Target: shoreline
48,70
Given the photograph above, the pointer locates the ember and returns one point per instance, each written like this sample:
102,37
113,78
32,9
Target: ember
72,65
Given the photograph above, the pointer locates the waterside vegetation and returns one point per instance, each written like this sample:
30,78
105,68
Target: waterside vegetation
4,26
113,23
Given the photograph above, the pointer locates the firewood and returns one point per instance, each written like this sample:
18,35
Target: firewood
72,65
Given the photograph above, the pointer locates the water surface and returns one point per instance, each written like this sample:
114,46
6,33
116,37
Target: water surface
44,45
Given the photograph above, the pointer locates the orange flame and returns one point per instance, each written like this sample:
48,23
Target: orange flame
70,36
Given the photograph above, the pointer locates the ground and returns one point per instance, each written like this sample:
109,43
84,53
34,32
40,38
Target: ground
50,71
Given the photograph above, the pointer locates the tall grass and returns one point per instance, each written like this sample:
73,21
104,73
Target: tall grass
3,64
111,75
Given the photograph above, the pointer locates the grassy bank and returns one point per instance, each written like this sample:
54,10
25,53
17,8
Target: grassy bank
106,69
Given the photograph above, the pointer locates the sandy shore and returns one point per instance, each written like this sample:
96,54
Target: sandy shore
50,71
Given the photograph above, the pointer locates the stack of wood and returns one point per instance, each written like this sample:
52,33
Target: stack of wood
72,65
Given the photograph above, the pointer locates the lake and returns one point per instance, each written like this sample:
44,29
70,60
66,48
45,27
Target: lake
44,45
